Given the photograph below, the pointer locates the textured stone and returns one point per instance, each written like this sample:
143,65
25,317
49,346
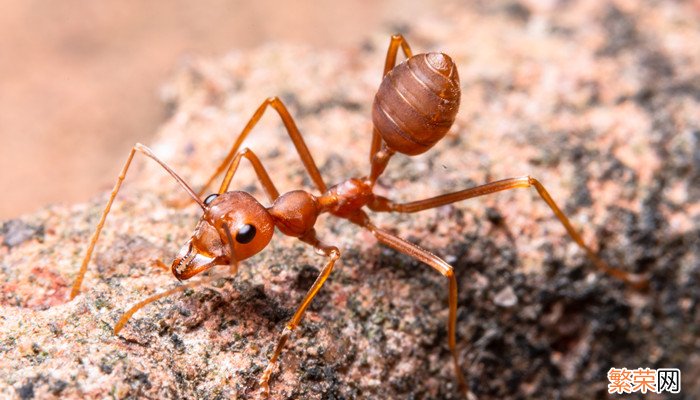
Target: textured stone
598,101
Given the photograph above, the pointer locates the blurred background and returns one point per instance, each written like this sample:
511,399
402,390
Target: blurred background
79,80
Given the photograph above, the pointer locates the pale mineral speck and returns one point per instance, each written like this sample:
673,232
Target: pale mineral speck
506,297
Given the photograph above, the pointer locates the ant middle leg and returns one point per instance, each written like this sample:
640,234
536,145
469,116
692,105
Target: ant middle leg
333,255
384,204
445,270
138,147
293,132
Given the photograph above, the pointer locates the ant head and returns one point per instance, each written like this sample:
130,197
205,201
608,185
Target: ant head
234,227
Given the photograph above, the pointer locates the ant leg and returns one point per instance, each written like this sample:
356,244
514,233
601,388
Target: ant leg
141,304
333,254
383,204
260,171
233,269
440,266
293,132
391,53
389,64
146,151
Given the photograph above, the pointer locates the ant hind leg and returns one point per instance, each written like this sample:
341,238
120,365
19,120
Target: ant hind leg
397,41
383,204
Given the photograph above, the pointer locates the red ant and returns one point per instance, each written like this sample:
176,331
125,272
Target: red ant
413,109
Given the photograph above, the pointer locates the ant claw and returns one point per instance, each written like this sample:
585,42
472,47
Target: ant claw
639,282
264,389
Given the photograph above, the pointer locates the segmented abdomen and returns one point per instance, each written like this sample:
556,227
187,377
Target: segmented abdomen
417,103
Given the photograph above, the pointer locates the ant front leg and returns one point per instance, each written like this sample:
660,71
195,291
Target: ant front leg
333,254
233,268
293,132
143,303
383,204
445,270
397,41
122,175
260,171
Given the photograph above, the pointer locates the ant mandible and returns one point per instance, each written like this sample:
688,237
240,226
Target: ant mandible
415,106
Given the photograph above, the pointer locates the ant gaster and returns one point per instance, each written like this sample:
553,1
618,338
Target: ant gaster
413,109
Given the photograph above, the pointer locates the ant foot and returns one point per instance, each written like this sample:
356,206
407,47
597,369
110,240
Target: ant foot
265,379
264,390
638,281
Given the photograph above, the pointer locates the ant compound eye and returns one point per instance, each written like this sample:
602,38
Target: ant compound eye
245,234
210,198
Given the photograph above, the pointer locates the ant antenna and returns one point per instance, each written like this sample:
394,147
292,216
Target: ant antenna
146,151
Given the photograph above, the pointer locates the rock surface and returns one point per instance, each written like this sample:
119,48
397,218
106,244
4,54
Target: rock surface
598,101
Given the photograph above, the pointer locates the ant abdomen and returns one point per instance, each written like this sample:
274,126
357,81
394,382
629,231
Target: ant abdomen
417,103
